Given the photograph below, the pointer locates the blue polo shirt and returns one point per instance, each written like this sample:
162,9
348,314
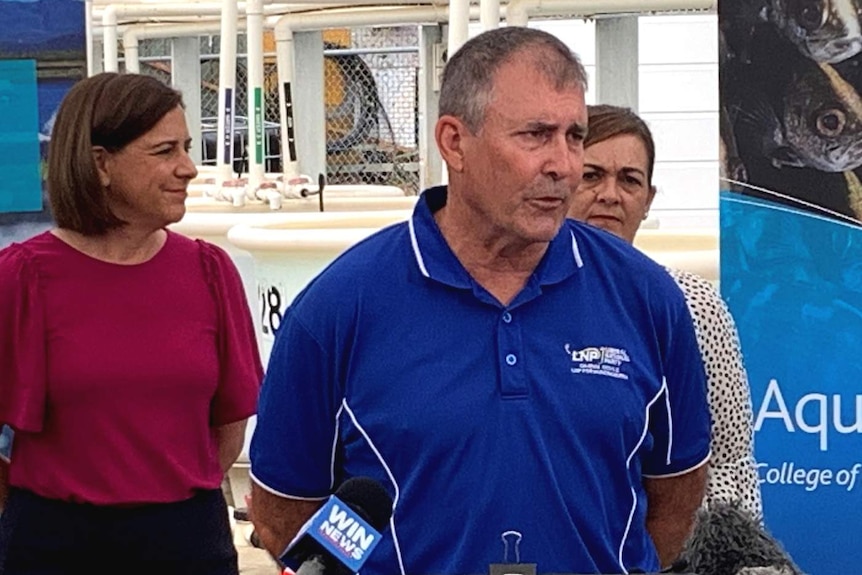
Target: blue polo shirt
540,417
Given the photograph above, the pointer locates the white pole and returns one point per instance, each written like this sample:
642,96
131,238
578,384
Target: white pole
284,62
227,96
109,39
459,22
88,30
489,14
130,49
256,104
516,12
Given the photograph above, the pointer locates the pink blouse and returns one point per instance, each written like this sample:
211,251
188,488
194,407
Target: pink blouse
115,376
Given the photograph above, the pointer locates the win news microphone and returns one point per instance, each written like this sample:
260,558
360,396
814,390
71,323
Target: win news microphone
338,539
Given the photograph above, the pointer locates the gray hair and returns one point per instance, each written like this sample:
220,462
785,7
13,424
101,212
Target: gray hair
468,78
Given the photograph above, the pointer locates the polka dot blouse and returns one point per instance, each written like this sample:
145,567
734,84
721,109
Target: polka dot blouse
732,471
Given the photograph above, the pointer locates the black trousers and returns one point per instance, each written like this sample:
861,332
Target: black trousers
41,536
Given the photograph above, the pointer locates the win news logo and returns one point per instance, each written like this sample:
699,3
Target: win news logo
350,536
341,533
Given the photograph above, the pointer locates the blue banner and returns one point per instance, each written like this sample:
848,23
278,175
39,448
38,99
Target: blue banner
42,53
793,282
21,190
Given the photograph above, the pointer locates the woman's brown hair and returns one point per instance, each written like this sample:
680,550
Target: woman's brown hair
108,110
606,122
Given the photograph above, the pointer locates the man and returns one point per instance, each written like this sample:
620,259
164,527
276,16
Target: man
496,367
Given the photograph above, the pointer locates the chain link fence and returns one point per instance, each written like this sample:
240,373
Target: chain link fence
155,58
371,91
370,98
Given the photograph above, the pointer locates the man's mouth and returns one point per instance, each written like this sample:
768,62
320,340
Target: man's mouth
547,202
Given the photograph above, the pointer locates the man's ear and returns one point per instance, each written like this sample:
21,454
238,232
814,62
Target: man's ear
450,134
101,159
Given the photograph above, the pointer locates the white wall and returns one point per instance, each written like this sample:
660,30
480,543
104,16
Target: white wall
678,97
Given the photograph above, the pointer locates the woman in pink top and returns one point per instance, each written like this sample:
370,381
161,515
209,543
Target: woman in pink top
128,362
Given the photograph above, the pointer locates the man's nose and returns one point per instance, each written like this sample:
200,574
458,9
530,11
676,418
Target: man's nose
564,160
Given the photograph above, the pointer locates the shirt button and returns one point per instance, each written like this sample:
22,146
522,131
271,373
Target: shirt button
511,359
507,317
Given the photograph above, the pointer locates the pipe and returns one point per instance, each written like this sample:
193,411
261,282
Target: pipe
155,12
141,31
519,11
134,34
284,66
489,14
459,23
459,32
109,40
88,31
130,49
227,97
113,12
256,105
516,12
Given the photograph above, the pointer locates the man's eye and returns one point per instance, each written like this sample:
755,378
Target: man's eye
537,135
590,176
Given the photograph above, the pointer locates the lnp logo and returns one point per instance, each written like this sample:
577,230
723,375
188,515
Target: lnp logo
599,360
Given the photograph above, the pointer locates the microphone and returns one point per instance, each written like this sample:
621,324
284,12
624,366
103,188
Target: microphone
340,536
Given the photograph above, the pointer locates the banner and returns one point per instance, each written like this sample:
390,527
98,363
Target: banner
791,261
42,53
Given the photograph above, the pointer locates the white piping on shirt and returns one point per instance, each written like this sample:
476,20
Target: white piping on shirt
684,471
661,390
669,420
269,489
349,411
415,243
576,252
334,447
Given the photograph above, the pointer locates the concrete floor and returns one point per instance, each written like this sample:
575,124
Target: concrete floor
252,561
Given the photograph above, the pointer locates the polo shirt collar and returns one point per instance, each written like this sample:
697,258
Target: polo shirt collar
436,260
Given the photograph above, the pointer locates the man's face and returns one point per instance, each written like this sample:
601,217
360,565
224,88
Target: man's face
522,167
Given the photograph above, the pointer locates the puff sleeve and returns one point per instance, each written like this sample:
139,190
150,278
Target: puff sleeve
240,368
23,355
